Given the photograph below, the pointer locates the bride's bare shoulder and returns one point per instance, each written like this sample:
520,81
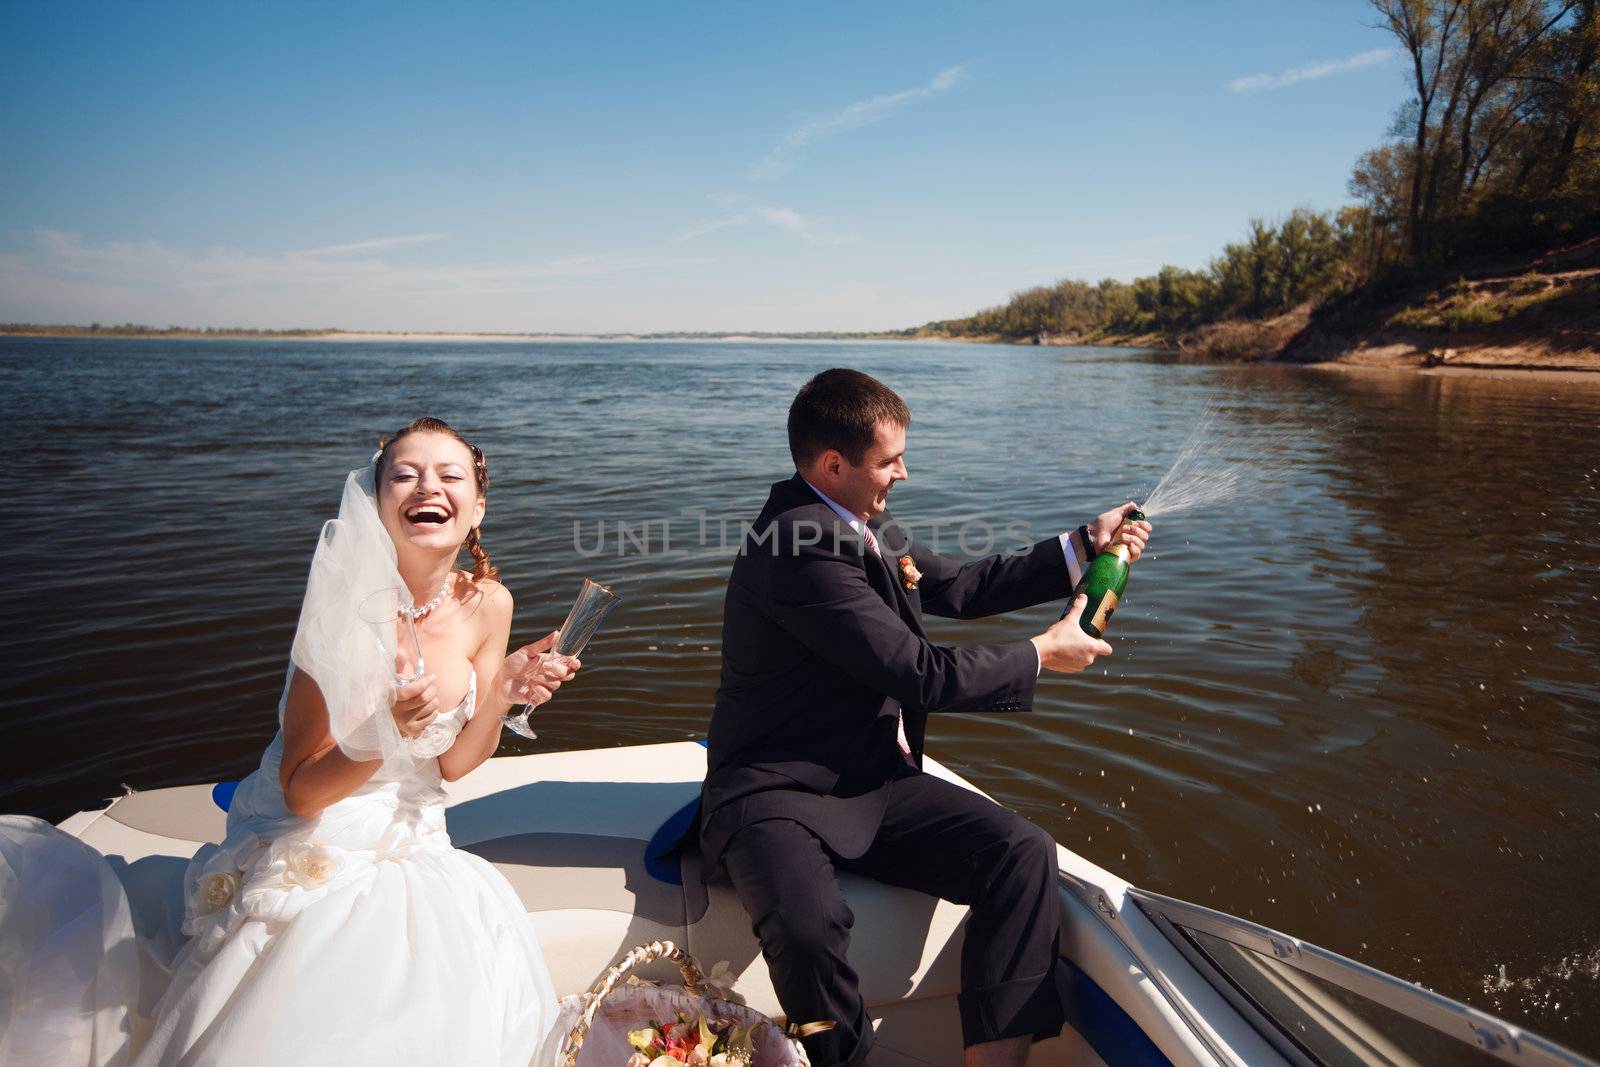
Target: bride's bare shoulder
485,598
495,596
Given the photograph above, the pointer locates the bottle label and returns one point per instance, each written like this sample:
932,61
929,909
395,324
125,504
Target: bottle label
1102,614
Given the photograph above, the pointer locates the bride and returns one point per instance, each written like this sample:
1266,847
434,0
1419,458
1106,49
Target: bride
335,923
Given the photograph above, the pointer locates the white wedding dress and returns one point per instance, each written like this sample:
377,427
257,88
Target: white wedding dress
357,936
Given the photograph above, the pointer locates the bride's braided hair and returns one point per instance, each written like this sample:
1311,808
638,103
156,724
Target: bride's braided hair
482,568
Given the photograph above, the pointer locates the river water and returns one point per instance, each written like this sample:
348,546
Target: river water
1358,703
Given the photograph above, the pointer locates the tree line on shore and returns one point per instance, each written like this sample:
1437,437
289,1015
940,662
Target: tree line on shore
1496,150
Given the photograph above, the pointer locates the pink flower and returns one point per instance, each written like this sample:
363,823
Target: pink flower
638,1059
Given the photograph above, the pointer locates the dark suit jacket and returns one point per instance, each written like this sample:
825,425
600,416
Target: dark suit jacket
822,646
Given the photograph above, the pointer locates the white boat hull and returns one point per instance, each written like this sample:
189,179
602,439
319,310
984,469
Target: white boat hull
570,831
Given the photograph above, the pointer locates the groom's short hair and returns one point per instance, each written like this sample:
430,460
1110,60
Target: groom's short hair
841,409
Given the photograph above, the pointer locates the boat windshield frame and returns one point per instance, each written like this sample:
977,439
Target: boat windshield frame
1451,1019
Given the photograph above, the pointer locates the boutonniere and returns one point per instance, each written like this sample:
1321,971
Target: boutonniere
909,575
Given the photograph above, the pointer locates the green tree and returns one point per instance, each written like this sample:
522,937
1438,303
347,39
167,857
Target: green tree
1473,66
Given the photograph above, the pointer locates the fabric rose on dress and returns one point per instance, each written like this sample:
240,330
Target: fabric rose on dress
215,891
313,865
213,886
435,739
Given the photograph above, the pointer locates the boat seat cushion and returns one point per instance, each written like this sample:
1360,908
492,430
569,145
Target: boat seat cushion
572,837
904,944
592,900
185,812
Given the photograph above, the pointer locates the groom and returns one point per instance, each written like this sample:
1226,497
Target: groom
815,748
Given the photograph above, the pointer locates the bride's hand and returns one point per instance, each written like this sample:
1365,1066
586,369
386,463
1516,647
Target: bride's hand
533,673
416,704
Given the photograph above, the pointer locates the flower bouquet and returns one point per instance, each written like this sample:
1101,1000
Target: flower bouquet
617,1024
697,1042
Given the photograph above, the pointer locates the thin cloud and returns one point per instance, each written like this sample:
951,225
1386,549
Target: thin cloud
604,263
779,162
712,226
793,222
375,245
782,218
1252,83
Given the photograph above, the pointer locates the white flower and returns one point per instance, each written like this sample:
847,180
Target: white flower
313,865
720,981
214,891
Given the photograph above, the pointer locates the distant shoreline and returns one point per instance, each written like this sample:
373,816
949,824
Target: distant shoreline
184,334
1499,355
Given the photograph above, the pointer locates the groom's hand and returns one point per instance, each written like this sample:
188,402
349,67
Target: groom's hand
1107,527
1065,647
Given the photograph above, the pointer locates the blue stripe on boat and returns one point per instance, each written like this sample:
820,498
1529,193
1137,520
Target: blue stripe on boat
1110,1031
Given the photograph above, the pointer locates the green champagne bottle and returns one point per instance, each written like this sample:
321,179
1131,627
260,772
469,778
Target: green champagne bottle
1104,582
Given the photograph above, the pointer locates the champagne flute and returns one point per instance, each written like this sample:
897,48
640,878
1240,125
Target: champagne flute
387,612
395,632
588,612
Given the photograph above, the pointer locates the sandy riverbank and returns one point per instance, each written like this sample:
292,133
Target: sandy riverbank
1581,378
1528,355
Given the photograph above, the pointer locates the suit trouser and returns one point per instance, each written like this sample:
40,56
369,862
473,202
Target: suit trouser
937,838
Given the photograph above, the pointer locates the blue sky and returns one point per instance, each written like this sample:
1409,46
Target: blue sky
612,167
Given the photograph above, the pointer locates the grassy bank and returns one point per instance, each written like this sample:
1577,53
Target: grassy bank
1539,311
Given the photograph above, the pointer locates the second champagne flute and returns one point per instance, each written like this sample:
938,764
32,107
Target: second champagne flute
588,612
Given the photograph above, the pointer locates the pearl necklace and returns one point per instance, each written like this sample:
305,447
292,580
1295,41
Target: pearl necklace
415,614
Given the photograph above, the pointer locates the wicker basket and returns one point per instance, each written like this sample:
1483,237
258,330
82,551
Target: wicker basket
596,1023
